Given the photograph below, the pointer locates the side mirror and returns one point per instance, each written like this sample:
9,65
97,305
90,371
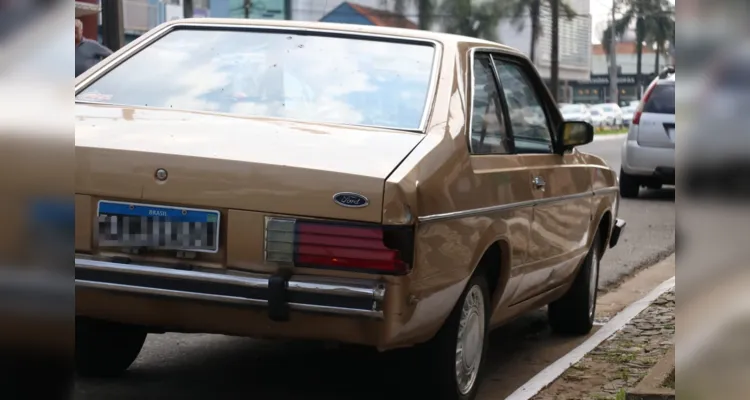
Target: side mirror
574,133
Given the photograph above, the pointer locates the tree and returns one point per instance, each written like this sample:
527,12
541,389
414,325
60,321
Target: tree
647,15
660,30
531,10
472,18
425,11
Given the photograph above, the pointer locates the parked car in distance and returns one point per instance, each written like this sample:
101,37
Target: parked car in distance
648,154
597,117
627,114
576,112
350,196
612,114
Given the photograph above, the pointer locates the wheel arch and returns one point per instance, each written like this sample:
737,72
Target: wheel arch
494,264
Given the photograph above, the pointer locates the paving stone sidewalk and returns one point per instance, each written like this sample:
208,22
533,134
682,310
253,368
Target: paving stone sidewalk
621,361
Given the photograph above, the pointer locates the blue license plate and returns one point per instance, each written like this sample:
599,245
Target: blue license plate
121,224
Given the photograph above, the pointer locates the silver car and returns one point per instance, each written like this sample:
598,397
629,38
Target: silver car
648,155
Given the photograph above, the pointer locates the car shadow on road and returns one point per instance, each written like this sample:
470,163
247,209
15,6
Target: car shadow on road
221,367
664,194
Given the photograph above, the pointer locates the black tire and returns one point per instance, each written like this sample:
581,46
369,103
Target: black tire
106,349
629,186
439,355
574,313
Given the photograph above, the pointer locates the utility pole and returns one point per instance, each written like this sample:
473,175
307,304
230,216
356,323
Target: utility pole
613,92
113,33
555,56
246,5
187,8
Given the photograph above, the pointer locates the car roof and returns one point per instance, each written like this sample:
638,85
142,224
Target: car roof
446,39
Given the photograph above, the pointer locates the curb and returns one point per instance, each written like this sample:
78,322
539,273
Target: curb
651,387
548,375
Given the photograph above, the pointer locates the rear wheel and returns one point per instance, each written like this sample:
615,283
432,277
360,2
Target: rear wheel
106,349
629,185
573,314
456,356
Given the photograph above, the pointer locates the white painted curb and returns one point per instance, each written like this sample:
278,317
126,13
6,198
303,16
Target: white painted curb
554,370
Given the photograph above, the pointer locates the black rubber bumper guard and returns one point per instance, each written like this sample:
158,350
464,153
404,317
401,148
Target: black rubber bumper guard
616,232
279,293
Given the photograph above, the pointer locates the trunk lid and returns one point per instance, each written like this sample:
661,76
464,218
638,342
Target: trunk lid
657,124
223,162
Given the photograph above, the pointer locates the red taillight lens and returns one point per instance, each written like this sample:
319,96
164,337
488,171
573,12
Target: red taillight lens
639,110
333,245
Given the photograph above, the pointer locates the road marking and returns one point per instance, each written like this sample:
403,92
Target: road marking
613,136
548,375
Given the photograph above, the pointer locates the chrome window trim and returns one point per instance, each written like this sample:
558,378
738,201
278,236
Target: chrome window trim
172,26
515,205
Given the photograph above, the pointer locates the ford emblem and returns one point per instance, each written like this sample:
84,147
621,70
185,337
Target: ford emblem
353,200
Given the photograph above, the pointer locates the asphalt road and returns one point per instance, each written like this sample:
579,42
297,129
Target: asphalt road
649,234
176,366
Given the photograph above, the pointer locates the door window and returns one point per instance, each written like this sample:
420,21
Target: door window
531,133
488,128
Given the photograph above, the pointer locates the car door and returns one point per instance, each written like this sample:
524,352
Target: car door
498,172
561,183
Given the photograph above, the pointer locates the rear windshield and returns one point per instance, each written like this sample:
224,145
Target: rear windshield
302,76
661,100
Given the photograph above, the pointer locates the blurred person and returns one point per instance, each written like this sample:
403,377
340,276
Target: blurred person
88,52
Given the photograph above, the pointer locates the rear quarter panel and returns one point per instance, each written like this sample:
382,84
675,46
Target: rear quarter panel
604,184
438,177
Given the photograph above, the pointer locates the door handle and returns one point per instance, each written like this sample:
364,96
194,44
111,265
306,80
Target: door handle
538,183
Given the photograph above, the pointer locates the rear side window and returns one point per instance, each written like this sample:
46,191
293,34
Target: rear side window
661,100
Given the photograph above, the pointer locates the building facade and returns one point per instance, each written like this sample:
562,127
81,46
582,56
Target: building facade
596,88
575,42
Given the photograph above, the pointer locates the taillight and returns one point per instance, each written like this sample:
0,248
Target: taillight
642,104
348,246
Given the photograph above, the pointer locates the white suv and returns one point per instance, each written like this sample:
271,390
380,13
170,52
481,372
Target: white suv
648,153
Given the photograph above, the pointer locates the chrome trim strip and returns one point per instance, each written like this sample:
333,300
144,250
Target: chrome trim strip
348,291
247,281
167,27
607,190
225,299
169,293
337,310
511,206
351,288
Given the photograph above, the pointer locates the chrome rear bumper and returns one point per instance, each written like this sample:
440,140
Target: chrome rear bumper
277,293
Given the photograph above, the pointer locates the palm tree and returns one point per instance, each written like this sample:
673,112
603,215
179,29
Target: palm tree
647,15
660,31
531,10
477,18
425,11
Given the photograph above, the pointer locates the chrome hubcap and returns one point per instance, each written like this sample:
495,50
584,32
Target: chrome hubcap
470,341
594,280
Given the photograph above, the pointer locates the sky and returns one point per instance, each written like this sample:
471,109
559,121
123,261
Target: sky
600,12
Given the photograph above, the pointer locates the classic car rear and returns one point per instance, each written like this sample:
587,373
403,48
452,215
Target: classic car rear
330,182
